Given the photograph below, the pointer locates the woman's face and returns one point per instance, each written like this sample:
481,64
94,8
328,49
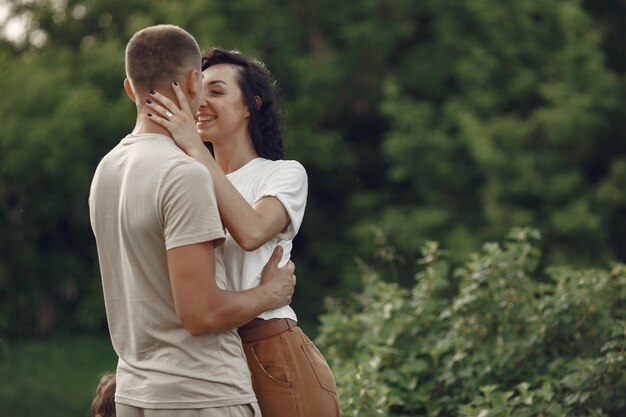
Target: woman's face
223,112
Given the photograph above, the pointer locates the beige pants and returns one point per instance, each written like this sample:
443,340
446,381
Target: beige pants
290,376
244,410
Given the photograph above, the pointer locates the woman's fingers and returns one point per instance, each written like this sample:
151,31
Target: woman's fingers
168,104
182,100
164,101
160,110
179,122
160,120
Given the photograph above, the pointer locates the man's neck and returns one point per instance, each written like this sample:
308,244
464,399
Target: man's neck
146,125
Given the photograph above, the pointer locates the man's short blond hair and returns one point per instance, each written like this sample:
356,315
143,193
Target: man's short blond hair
158,55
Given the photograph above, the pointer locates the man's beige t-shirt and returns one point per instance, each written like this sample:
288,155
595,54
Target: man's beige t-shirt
146,197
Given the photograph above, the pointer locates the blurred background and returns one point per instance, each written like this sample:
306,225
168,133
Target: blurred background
431,120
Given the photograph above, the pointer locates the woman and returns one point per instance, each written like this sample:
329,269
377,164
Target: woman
261,199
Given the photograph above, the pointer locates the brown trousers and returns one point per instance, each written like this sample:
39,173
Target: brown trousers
290,376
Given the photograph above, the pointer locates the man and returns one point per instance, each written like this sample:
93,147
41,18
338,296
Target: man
158,232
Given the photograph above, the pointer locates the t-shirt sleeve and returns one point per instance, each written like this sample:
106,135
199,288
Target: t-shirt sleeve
189,207
289,184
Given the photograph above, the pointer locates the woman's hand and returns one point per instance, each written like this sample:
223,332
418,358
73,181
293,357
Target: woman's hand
179,121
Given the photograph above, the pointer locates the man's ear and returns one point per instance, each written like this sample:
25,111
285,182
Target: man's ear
129,89
192,87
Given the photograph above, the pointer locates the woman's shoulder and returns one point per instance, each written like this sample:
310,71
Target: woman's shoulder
286,165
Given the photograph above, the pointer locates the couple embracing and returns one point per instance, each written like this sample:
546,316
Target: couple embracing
194,247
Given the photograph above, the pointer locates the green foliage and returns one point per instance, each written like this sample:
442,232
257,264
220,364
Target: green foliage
499,114
495,337
59,124
434,120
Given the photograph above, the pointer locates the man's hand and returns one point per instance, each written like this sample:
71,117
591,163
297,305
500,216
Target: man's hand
278,282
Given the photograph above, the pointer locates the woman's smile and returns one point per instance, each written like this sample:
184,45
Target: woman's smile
205,118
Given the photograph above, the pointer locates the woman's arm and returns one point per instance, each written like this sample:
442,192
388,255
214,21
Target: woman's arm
250,226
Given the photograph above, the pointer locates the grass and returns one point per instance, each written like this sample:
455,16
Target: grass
53,377
57,377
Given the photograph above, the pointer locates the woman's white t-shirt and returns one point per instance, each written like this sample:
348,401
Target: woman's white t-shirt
287,181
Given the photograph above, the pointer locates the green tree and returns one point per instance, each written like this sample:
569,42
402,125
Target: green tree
62,109
442,120
48,150
501,115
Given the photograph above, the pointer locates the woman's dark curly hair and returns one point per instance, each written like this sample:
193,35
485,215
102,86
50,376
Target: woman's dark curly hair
255,81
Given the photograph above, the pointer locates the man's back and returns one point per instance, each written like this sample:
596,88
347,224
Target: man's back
148,197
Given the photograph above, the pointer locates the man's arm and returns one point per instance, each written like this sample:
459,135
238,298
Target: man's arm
203,307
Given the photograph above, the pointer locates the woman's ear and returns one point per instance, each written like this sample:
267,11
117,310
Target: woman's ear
258,102
129,89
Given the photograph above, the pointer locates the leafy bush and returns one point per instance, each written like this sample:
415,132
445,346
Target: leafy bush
499,336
